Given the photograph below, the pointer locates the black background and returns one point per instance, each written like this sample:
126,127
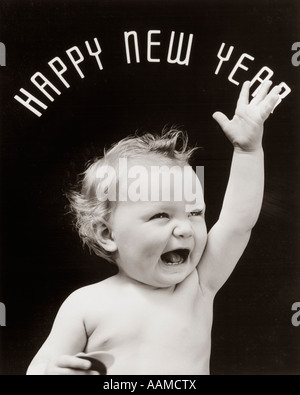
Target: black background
42,259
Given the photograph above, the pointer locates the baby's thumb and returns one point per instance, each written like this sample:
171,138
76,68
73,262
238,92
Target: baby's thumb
221,119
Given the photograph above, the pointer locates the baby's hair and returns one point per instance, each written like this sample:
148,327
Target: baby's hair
89,211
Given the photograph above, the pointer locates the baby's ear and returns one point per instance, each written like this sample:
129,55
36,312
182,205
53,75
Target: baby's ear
105,238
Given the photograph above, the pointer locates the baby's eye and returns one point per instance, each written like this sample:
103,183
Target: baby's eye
196,213
160,215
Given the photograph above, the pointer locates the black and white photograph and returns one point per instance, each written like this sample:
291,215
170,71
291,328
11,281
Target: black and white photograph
150,189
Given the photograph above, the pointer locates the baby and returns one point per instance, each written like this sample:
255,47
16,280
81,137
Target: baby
155,315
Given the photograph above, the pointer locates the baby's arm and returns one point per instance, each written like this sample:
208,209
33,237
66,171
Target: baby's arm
243,198
67,338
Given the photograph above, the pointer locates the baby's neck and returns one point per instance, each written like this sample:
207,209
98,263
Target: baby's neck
125,279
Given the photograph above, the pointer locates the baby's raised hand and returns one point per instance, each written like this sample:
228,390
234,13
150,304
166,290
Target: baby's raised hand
245,129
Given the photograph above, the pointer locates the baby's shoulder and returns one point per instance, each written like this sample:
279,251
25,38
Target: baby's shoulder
92,291
103,293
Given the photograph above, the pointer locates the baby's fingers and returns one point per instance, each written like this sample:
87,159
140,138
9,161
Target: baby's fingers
73,372
71,362
268,104
262,92
221,119
244,95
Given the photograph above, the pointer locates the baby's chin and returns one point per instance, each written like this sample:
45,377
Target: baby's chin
160,281
164,274
173,275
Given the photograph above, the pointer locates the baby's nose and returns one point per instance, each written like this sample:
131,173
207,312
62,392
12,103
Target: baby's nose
183,229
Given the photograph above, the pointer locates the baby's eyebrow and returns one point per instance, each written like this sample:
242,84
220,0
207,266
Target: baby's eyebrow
157,205
199,207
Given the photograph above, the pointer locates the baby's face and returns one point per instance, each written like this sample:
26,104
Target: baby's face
159,243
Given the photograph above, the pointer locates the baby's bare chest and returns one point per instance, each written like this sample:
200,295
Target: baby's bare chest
175,324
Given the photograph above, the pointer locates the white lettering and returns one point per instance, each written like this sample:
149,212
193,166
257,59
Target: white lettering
41,87
96,54
192,384
136,46
219,56
178,57
30,98
123,180
106,189
60,72
261,80
137,190
161,177
74,61
159,183
239,65
194,188
286,90
151,44
120,385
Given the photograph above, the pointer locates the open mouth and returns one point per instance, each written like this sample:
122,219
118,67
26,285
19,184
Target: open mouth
175,257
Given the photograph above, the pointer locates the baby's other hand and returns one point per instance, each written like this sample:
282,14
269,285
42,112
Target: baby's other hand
245,129
67,365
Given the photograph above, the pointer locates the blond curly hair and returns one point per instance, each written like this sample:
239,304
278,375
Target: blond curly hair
89,211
